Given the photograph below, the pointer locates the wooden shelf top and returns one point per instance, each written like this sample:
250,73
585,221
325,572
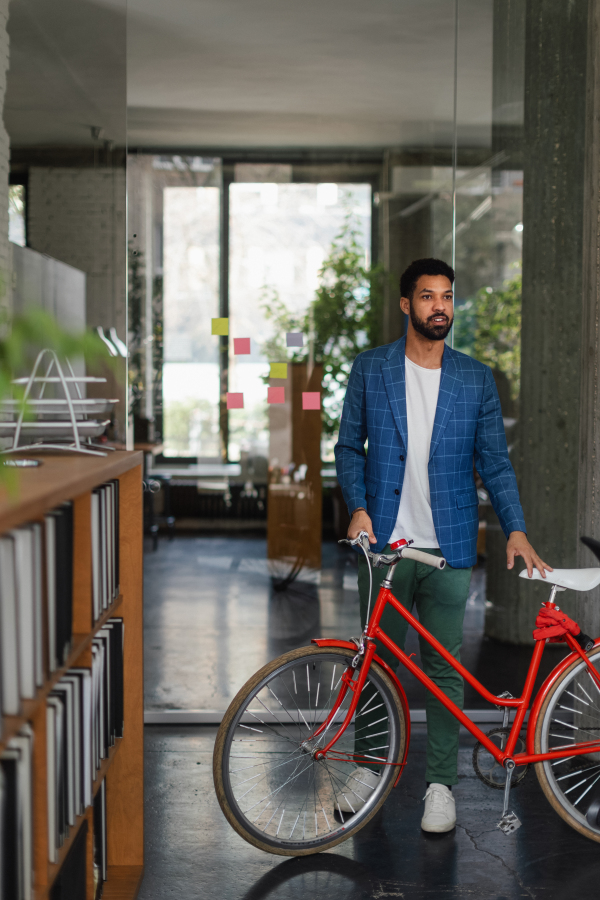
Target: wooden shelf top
60,477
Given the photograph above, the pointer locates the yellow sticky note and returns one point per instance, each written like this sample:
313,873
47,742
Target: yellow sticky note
220,326
278,370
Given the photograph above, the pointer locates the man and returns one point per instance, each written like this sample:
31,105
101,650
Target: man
428,413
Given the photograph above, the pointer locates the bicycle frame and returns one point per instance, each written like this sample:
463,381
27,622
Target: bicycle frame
520,704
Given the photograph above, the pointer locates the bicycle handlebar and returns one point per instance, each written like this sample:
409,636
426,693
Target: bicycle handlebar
406,552
438,562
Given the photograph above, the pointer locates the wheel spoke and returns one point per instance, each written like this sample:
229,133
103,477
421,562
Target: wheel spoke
274,786
572,716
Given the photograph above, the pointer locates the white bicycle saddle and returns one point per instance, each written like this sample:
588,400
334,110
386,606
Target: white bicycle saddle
575,579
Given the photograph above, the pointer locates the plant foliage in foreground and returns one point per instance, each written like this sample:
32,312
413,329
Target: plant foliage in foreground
21,339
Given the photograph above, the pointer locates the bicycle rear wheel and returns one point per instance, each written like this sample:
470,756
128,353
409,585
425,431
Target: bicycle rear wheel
270,788
571,714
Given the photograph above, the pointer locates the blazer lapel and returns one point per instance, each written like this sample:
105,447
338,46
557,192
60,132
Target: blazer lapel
393,369
450,384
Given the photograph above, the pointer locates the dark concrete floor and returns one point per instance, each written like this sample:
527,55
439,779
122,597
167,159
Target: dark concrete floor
193,854
212,619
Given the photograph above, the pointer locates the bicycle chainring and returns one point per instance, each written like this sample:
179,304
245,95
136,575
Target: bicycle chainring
488,769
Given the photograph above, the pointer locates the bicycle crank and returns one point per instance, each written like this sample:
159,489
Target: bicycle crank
488,769
509,821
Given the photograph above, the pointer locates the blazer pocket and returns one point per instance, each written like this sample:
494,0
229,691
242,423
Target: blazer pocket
371,487
468,498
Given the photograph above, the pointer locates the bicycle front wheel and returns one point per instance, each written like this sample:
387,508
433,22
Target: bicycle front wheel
570,714
270,787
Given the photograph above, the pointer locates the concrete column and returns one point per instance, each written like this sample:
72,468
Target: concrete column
588,522
557,381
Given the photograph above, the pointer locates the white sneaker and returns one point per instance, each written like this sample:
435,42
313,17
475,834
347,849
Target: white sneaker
360,784
440,809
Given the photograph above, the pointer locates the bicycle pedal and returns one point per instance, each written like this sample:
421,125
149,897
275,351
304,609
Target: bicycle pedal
509,823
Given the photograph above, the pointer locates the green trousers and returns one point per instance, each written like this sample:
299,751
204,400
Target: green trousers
440,597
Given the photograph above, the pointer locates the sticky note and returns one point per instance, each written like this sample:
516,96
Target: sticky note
278,370
276,395
294,339
235,401
220,326
311,400
241,345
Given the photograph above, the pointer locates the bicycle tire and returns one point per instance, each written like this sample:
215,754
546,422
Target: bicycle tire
572,784
326,775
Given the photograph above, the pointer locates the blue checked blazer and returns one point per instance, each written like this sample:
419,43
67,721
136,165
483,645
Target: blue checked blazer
467,427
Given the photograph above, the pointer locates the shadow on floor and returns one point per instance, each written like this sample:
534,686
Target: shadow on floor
193,854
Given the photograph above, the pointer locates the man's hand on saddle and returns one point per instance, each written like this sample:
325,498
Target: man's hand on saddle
361,521
518,545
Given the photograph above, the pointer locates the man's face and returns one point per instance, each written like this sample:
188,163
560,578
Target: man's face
431,309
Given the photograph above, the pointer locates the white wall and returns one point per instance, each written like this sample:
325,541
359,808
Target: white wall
40,281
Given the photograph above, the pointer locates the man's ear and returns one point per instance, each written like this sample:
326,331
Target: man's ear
405,305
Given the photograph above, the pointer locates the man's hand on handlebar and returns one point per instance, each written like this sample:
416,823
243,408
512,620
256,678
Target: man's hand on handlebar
361,521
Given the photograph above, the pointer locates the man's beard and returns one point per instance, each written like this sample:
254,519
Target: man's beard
428,329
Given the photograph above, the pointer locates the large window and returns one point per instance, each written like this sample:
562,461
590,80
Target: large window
191,299
280,236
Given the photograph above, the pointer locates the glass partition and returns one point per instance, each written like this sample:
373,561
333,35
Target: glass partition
65,115
174,264
489,202
237,256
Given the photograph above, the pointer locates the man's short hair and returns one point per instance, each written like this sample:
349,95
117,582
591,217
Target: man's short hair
418,267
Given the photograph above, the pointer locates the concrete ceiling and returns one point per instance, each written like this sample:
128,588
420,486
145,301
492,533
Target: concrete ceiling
246,73
67,72
250,73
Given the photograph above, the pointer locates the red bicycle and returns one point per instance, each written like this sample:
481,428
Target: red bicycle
295,733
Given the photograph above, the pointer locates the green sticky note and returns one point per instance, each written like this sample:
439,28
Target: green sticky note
278,370
220,326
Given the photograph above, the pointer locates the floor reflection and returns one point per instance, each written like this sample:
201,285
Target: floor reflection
213,618
294,617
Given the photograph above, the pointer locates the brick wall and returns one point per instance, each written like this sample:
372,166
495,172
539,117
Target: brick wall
78,216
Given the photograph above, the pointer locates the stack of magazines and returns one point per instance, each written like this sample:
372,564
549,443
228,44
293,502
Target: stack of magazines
84,718
36,605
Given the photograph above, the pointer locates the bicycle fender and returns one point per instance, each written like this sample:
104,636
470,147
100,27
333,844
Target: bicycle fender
349,645
543,693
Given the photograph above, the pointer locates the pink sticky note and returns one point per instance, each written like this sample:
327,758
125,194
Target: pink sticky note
276,395
311,400
241,346
235,401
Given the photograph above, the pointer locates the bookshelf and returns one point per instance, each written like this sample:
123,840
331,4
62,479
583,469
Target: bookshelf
63,478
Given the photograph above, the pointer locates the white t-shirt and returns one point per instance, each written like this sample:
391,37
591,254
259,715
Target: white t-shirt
415,521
